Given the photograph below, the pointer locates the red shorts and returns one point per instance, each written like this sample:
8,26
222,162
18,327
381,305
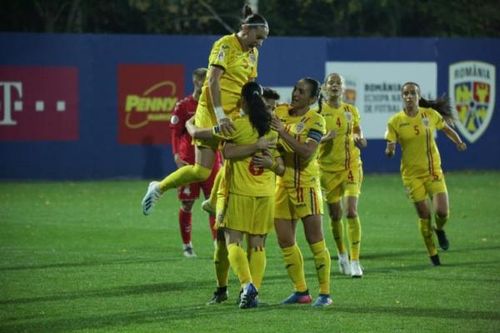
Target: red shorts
191,192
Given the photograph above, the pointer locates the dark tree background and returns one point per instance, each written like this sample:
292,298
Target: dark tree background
363,18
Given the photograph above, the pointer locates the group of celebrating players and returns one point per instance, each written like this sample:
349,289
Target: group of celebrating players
282,161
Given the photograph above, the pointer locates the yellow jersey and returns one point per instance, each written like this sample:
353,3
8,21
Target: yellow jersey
239,68
299,172
241,175
416,135
340,153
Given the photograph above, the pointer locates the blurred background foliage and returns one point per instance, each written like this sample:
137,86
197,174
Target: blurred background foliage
355,18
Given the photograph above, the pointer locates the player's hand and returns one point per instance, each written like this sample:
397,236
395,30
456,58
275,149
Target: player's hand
360,142
389,152
330,135
277,125
461,146
263,143
264,160
226,126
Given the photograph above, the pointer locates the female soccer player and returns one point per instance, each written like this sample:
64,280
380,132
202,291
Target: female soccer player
413,128
341,170
298,194
271,98
245,203
232,63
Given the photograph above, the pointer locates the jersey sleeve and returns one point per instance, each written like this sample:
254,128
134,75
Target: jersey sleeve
355,117
390,132
220,55
317,129
438,120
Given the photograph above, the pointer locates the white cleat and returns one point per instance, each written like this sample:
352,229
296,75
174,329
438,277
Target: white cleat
152,195
189,252
356,270
344,265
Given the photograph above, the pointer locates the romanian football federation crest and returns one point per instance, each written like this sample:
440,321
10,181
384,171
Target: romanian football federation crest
472,94
425,121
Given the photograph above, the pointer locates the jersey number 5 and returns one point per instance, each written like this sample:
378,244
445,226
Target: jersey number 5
417,131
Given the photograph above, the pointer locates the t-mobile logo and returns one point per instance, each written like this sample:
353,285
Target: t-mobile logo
38,103
13,90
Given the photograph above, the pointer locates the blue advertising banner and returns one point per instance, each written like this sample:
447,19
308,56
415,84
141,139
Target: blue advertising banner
97,106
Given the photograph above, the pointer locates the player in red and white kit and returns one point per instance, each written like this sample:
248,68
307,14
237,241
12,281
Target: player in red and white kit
184,154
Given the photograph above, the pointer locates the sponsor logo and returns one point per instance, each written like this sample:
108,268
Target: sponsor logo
38,103
299,127
472,93
147,95
350,91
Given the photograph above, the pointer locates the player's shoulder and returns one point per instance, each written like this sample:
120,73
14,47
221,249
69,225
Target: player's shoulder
398,116
227,41
184,103
315,116
429,112
349,107
281,110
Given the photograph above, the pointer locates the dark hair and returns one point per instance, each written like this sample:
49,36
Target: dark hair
315,91
270,93
259,117
440,104
200,72
252,19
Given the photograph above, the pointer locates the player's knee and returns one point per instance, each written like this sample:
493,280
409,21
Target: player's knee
187,205
352,212
442,213
202,173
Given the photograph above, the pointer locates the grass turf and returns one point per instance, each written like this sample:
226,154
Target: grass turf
79,256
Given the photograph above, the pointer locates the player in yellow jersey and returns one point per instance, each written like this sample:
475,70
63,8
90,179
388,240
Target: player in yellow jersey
246,198
232,63
413,128
298,194
271,98
341,171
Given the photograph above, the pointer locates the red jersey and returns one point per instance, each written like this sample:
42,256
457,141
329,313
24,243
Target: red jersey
181,140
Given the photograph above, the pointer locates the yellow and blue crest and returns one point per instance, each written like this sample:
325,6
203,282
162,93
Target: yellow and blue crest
472,94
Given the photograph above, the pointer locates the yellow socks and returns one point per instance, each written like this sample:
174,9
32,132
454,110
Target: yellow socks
322,262
186,175
426,231
239,263
257,262
354,236
221,263
338,235
440,221
295,267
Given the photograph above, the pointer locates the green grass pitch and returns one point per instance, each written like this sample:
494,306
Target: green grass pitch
80,257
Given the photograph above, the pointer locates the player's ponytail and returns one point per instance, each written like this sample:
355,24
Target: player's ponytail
441,105
258,115
246,11
253,20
